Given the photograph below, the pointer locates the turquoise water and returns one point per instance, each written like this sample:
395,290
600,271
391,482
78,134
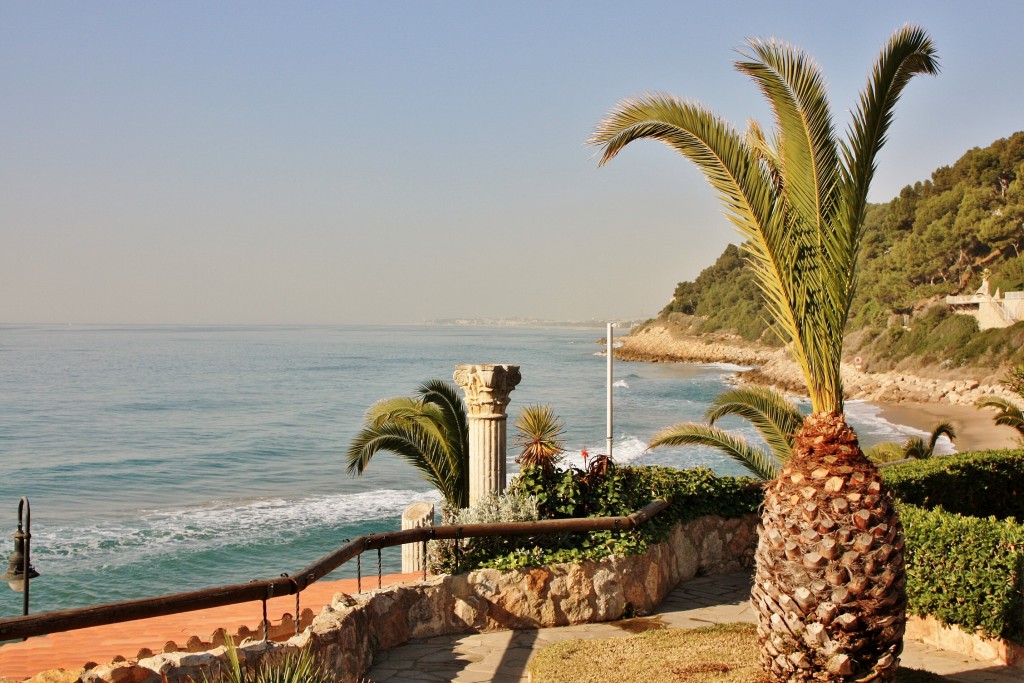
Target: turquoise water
161,459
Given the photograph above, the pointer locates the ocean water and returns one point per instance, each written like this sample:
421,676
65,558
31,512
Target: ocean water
160,459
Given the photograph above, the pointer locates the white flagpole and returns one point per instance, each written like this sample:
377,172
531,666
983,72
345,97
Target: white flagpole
608,338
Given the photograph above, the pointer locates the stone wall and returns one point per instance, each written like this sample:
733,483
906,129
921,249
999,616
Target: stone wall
347,633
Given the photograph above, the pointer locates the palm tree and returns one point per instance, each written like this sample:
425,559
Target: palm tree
539,429
830,579
1009,413
430,432
775,418
913,448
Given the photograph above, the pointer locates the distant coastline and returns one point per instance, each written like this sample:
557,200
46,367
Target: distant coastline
907,399
525,322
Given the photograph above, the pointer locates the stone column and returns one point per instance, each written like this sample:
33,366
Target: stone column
487,388
415,516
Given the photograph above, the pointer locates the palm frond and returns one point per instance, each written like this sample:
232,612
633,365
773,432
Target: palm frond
453,425
430,433
795,88
1009,414
759,462
775,417
746,188
885,452
908,52
941,429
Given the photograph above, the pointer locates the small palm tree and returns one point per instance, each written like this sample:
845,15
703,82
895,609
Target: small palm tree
775,418
913,448
539,429
430,432
1009,413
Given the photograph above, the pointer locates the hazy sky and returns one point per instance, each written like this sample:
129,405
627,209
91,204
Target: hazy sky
315,162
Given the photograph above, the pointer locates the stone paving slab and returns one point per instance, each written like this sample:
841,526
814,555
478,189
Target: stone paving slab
502,656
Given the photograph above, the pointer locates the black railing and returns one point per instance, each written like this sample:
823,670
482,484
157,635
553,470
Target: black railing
293,584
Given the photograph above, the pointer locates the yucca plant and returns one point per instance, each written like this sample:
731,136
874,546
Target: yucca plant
430,432
830,579
776,419
292,667
538,434
914,447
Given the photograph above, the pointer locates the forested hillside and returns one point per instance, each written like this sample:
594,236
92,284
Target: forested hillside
934,239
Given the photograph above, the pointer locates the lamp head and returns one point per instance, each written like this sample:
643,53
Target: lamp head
15,576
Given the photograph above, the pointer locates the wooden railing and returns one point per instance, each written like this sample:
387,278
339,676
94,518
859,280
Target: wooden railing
293,584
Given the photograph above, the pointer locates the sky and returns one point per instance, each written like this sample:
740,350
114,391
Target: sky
398,162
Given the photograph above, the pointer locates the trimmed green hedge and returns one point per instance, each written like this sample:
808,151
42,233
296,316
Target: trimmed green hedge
975,484
964,544
966,571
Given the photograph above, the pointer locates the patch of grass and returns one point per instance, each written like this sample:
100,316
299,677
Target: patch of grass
725,653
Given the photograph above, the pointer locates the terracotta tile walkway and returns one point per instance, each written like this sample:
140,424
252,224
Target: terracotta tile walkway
101,644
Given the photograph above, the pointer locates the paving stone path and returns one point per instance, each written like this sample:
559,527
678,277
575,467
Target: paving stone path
502,656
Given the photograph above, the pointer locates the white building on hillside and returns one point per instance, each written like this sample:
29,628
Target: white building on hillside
991,310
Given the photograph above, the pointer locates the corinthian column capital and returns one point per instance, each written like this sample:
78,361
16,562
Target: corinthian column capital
487,387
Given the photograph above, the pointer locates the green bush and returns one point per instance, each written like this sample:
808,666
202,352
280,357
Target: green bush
443,558
965,570
982,484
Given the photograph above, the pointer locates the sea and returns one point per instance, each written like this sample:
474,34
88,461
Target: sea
161,459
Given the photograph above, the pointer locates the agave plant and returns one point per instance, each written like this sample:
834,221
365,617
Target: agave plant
913,448
776,419
430,432
293,667
539,431
798,196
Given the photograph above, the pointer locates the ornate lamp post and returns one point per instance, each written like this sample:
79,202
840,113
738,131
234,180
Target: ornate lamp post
20,570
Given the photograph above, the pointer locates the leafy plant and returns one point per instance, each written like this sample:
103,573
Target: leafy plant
1009,413
913,448
293,667
430,432
1014,380
448,556
776,419
539,429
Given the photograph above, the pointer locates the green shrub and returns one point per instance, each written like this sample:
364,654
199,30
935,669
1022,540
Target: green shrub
514,507
982,484
965,570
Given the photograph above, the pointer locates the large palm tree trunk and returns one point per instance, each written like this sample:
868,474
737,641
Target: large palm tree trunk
830,584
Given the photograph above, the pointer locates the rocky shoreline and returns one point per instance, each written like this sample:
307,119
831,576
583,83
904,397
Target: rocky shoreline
773,367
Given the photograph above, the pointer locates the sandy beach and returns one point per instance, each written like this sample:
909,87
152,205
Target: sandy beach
974,428
918,402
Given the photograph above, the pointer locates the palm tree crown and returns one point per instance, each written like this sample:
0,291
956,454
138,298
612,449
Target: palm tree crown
775,417
430,432
797,197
